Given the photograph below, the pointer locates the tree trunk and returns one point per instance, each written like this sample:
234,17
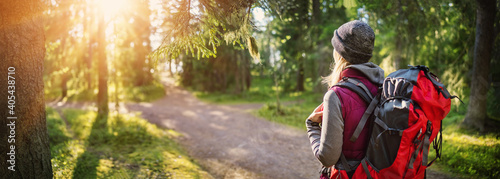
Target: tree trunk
64,86
248,74
64,75
187,69
23,132
170,68
398,59
398,50
237,74
88,60
141,31
102,96
476,111
300,74
323,64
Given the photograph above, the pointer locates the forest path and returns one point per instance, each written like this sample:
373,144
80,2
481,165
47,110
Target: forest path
228,141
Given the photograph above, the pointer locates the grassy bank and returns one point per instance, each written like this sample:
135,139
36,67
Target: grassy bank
119,146
469,152
464,152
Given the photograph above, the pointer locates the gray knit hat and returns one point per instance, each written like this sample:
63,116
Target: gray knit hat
354,41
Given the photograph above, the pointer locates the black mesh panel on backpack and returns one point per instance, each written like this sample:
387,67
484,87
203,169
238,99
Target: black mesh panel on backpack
391,120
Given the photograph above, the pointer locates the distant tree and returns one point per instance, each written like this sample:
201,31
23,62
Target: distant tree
57,26
102,95
90,33
290,27
480,82
327,16
303,37
141,30
22,46
401,25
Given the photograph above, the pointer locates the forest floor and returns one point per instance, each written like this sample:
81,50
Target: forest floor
228,141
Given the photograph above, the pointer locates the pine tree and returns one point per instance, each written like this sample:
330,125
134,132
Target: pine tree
22,52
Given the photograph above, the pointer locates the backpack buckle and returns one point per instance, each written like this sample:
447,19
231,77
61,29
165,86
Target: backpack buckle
393,131
417,137
429,127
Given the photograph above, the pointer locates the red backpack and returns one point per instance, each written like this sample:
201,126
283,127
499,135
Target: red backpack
404,117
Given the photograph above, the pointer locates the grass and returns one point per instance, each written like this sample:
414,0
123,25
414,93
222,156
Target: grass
465,153
146,93
469,152
262,90
118,146
293,114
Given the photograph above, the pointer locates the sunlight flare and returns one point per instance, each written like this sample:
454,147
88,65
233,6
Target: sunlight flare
112,7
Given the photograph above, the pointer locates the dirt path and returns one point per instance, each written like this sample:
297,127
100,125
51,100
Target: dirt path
231,143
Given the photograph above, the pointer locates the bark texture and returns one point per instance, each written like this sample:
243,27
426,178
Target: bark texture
480,82
22,46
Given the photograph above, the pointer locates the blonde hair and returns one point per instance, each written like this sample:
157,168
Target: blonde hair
340,64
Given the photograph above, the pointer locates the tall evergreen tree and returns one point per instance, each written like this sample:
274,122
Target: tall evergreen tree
102,95
141,30
480,82
22,50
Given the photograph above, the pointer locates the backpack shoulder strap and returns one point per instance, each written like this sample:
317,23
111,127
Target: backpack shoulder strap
357,87
361,85
369,111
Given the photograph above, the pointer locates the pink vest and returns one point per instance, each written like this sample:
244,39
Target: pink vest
353,108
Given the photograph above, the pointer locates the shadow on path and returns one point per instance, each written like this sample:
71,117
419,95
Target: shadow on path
87,163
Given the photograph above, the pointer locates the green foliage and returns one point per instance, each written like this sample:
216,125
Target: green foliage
494,103
228,72
294,111
468,152
81,122
294,114
58,133
201,33
253,48
438,34
125,146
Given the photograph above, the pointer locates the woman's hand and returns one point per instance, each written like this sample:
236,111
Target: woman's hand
317,114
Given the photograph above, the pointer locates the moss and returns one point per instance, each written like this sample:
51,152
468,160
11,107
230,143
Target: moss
126,146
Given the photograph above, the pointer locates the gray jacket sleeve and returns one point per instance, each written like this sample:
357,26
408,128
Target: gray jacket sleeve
326,141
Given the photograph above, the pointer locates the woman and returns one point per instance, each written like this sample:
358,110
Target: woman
331,124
